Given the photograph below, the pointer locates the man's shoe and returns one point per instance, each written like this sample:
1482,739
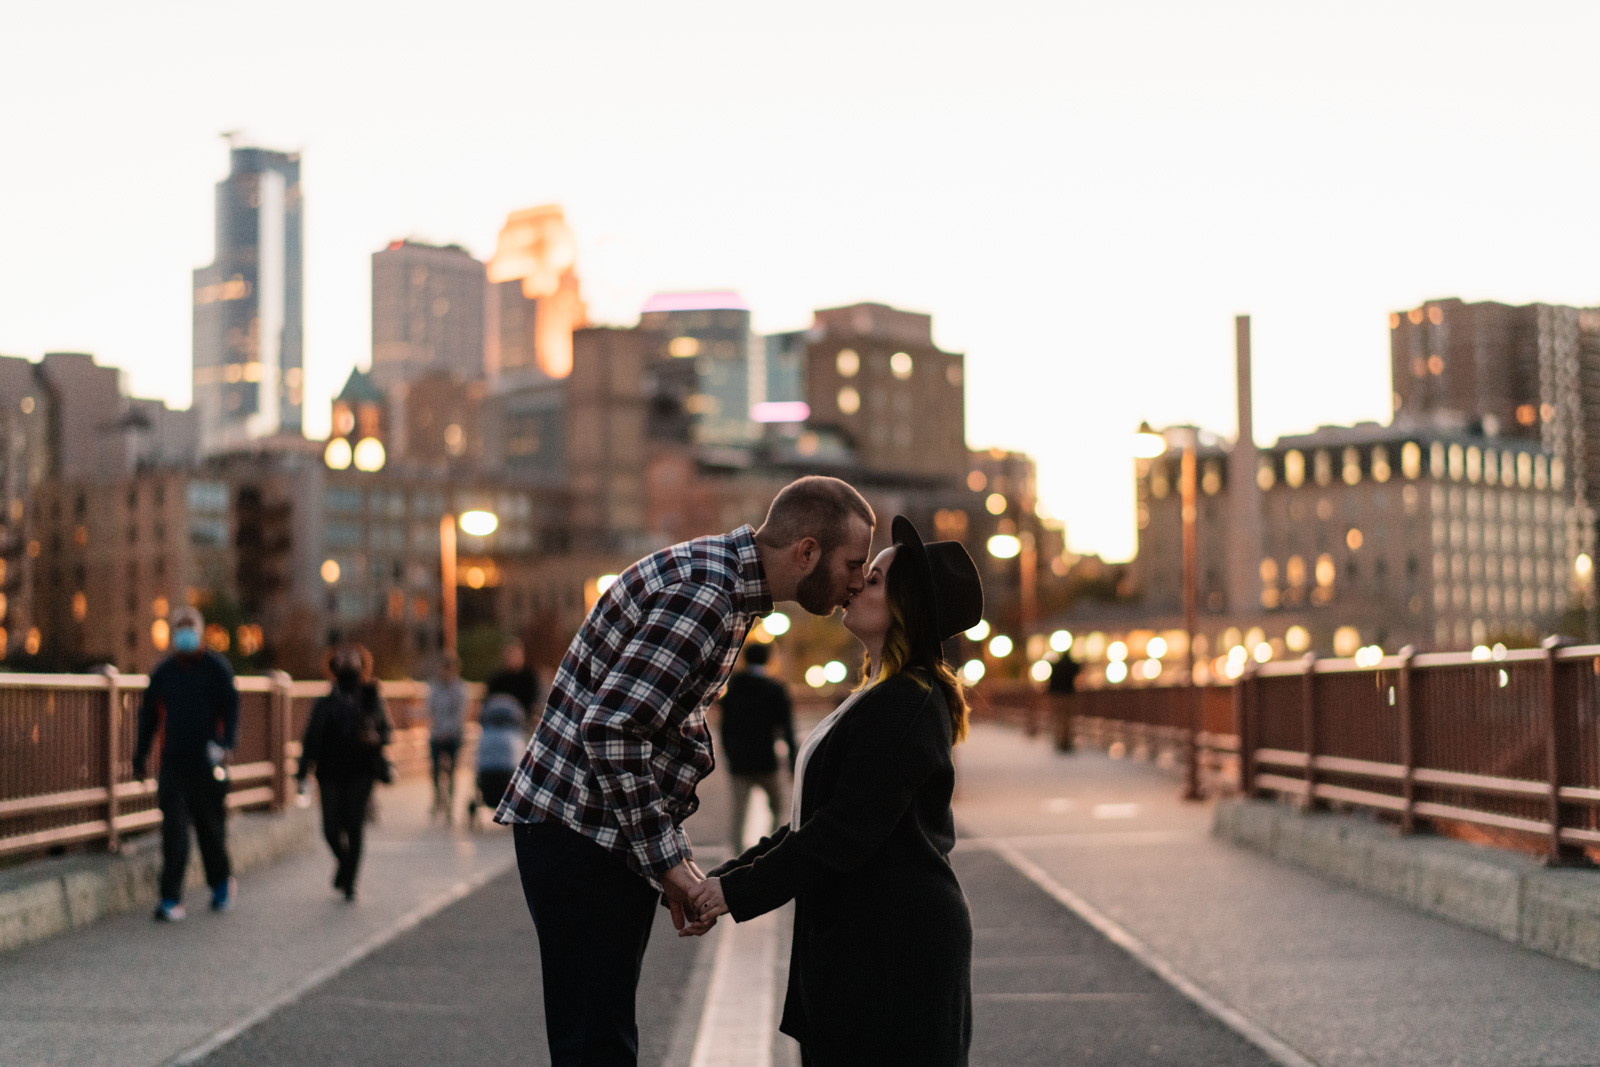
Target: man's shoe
169,911
222,895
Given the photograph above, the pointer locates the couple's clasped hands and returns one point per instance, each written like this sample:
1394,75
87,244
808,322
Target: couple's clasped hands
694,899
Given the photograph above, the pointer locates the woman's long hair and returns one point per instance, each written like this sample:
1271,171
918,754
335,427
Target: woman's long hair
912,643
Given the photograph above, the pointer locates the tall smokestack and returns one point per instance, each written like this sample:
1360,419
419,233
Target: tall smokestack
1244,494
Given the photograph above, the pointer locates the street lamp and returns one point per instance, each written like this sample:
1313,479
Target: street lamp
1020,546
1148,444
476,523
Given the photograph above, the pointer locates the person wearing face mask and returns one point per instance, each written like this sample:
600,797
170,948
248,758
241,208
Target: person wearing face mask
192,702
343,743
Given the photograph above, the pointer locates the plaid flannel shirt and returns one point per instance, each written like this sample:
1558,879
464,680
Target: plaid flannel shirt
624,741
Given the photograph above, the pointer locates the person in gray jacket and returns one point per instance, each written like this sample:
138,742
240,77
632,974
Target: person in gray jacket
447,711
500,748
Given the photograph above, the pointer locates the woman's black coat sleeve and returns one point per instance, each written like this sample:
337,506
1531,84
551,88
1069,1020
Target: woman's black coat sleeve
891,749
751,854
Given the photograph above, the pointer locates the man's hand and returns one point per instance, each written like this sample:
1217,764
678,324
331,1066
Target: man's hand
676,885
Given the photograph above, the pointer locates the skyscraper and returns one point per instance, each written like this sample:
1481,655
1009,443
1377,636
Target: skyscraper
248,306
427,313
534,302
702,380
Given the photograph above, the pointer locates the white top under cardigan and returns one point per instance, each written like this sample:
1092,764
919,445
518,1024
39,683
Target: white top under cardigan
813,739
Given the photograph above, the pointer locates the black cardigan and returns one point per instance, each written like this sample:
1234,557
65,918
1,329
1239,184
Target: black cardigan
880,972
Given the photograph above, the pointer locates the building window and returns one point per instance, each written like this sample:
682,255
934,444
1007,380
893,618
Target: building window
1352,466
1323,464
1265,474
1294,468
208,496
900,365
1380,464
848,363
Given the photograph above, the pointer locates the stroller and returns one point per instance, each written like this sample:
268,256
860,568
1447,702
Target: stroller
499,749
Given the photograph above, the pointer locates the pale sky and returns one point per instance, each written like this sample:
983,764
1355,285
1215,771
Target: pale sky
1083,195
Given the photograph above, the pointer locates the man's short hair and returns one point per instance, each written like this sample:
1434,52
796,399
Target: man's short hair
186,616
814,506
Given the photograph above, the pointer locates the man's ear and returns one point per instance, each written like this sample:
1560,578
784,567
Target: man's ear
807,553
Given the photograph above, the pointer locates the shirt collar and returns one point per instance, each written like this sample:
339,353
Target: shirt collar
755,596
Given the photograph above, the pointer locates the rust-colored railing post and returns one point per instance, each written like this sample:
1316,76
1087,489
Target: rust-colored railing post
1555,853
1190,693
1244,727
1308,720
278,707
113,755
1408,741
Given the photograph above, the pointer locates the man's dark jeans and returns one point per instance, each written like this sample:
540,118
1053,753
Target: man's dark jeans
192,798
594,916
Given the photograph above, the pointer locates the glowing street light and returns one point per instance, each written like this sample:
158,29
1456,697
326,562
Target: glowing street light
476,523
369,455
338,455
1005,546
1147,444
777,624
479,523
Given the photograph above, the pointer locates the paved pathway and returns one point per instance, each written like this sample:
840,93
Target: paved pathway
1110,929
1342,978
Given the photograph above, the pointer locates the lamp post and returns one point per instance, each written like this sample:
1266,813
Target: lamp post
1148,445
476,523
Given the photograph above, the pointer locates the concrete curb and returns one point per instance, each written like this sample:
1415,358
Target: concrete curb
1514,897
51,896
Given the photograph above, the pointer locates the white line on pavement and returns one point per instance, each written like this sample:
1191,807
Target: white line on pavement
1252,1032
1090,837
412,918
736,1027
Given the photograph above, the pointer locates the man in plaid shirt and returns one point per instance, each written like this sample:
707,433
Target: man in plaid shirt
598,802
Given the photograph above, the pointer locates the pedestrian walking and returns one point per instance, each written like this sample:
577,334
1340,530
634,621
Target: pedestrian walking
756,712
500,745
1063,696
192,702
598,800
880,972
515,678
343,744
447,710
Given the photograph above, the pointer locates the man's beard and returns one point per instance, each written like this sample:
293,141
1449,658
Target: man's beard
813,592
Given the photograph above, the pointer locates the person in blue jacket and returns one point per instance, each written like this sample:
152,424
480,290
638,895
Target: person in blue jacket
191,700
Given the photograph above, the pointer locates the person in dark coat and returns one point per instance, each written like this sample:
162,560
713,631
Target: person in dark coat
756,711
515,678
880,971
343,743
192,702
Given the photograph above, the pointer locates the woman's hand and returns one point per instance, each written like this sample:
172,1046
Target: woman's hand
708,900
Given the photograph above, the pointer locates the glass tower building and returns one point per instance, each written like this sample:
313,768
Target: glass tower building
249,321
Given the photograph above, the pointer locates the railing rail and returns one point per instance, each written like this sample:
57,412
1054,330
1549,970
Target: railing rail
1505,743
67,741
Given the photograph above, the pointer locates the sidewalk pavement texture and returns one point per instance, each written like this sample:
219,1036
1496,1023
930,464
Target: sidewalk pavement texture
46,897
1514,897
1110,928
129,992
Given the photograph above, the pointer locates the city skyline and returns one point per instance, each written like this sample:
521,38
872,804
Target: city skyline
1069,195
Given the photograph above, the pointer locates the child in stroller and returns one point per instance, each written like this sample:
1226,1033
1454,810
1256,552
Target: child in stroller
500,747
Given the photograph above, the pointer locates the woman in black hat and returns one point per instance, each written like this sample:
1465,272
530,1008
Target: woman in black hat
880,971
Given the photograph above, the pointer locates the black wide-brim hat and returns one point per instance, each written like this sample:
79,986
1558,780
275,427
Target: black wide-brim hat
948,575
